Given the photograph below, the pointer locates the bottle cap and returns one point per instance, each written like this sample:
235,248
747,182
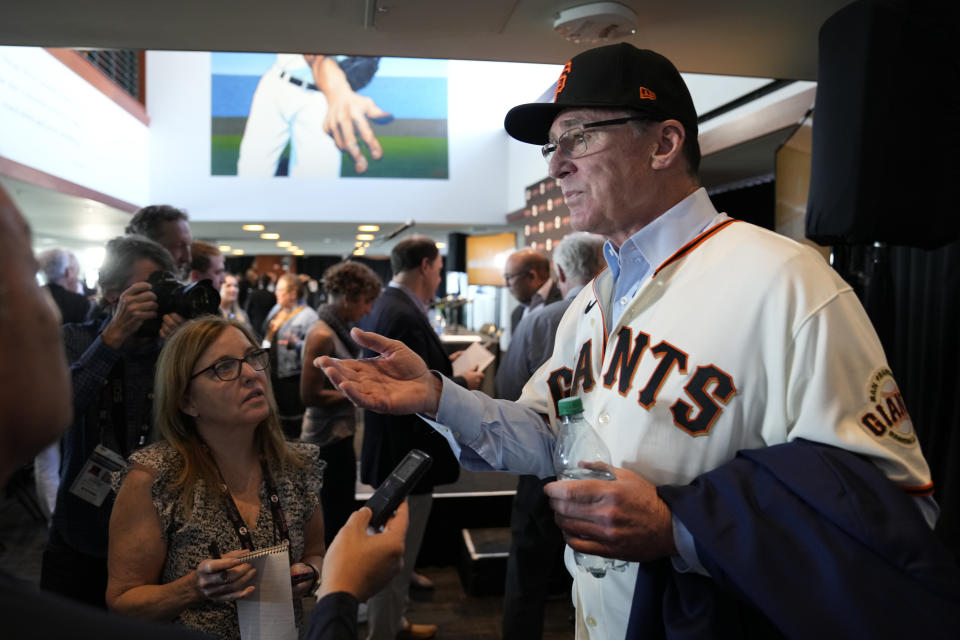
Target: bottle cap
569,406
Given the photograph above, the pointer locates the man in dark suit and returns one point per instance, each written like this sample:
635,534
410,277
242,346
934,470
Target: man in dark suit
527,276
61,270
535,564
401,313
259,303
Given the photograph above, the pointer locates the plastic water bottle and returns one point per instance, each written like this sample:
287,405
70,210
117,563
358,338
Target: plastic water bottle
578,442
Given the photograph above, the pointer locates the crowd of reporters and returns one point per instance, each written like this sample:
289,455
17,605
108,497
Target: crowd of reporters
170,434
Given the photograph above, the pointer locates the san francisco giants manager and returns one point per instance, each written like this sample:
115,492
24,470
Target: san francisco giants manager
769,482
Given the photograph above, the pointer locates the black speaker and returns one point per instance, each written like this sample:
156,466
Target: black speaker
886,132
457,252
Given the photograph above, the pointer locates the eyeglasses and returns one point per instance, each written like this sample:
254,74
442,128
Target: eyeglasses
507,277
229,368
573,142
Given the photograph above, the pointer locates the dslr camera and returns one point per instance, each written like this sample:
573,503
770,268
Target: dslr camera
188,300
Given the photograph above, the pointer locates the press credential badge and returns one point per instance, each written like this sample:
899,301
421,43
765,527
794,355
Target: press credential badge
93,484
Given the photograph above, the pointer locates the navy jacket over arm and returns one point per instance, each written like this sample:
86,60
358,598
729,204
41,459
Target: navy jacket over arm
801,540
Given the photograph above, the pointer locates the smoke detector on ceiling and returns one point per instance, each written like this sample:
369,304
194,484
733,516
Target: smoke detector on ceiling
596,22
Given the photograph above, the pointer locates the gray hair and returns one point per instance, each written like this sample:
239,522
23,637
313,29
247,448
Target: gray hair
123,252
580,255
55,262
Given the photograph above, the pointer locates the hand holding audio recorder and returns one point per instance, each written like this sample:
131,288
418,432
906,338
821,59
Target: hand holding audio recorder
395,488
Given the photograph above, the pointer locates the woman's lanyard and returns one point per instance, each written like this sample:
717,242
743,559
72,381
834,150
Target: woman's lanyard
276,511
282,317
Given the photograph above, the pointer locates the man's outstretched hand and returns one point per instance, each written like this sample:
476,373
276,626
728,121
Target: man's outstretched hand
395,382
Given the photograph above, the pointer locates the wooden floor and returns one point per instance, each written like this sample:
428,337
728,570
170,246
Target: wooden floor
458,615
463,617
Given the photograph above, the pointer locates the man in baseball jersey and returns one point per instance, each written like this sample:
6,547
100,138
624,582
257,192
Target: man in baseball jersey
768,478
306,100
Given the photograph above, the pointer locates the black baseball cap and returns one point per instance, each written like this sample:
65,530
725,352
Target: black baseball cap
614,76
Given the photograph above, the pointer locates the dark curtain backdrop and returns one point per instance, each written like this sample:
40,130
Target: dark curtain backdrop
755,204
913,298
238,265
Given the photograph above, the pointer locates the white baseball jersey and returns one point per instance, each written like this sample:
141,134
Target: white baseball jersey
742,339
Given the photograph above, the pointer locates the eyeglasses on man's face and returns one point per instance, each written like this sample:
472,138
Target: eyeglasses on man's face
228,369
572,143
508,277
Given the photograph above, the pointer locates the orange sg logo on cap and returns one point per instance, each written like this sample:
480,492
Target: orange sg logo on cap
646,94
561,81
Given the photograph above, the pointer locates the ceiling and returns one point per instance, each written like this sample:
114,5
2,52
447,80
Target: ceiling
76,223
761,38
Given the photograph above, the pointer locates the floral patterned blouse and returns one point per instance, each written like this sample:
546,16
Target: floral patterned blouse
188,541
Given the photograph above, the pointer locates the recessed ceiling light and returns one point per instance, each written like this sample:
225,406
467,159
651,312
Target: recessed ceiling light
253,227
359,251
284,243
237,252
441,245
368,227
299,252
270,236
293,248
365,236
225,247
358,244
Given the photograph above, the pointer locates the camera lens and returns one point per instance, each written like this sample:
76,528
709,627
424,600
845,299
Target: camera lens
199,298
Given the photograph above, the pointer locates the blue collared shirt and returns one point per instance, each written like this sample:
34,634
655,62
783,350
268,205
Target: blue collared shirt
635,261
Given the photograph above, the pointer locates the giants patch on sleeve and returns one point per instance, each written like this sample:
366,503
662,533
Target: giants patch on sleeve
885,415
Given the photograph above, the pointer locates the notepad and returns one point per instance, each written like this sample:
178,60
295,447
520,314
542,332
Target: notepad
267,613
473,356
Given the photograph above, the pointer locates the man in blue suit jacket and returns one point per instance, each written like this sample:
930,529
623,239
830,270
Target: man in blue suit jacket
401,313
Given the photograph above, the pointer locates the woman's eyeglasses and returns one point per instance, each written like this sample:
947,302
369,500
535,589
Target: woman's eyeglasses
229,368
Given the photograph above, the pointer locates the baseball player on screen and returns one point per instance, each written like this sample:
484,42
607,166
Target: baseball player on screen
769,482
307,100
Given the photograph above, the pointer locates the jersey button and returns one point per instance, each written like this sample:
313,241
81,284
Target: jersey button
624,300
591,621
603,418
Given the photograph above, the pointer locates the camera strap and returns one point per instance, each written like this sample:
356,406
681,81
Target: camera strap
112,414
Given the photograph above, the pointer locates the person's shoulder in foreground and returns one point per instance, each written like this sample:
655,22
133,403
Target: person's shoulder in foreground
31,614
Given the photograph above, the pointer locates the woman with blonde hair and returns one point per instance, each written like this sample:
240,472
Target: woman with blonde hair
285,330
221,474
229,300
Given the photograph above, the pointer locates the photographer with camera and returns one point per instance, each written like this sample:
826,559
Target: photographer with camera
112,359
